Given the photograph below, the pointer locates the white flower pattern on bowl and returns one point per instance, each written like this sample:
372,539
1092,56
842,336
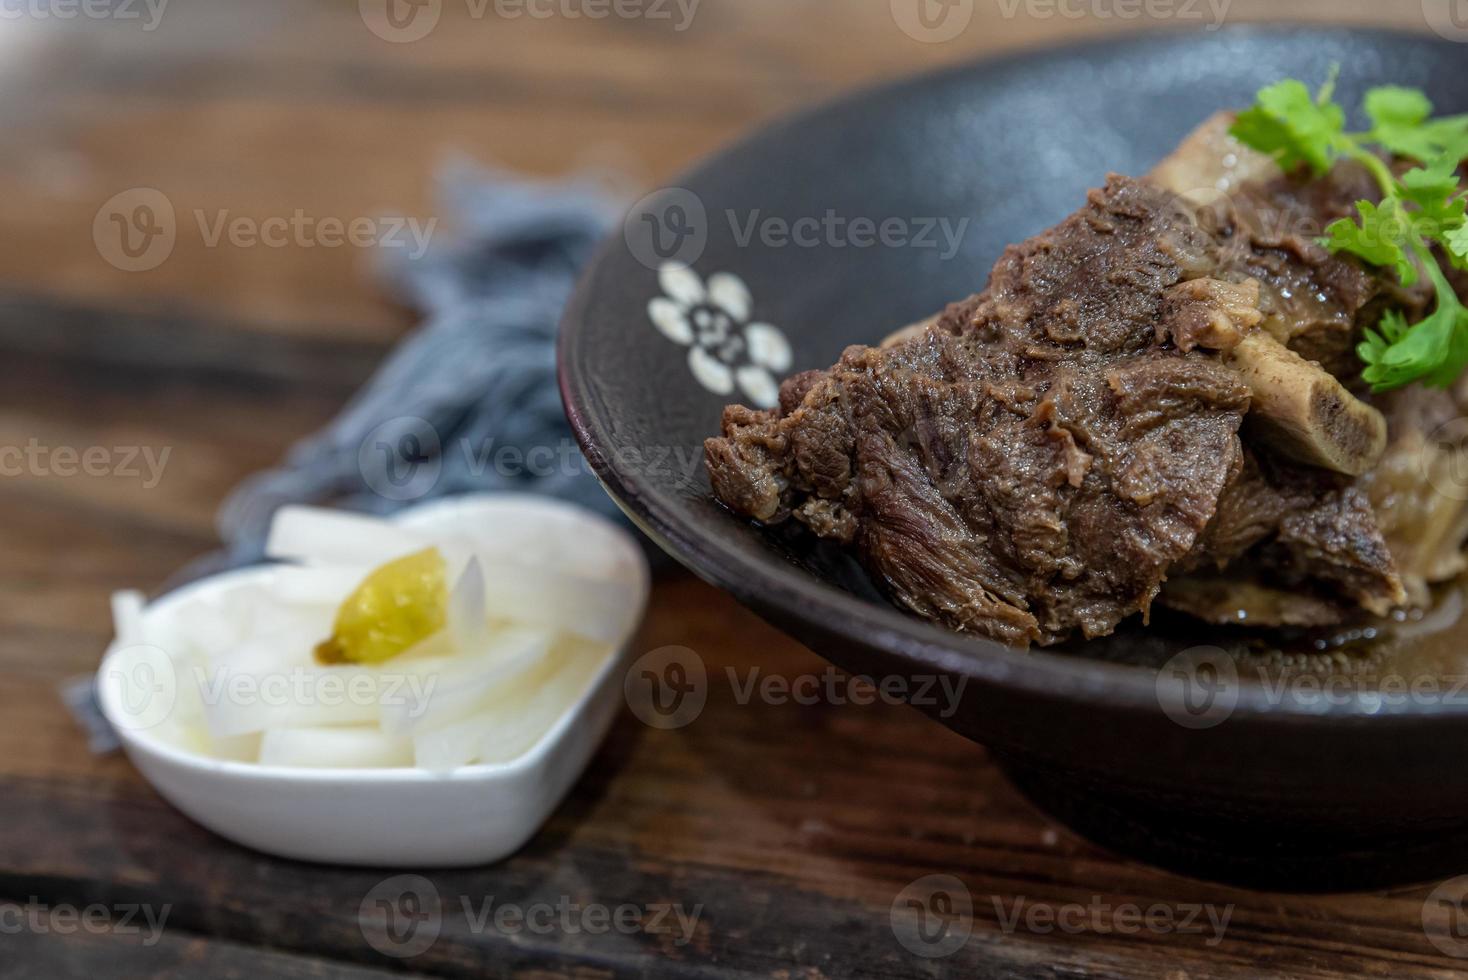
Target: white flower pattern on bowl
712,321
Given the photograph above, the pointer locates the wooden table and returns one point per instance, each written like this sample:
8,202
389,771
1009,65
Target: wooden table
791,830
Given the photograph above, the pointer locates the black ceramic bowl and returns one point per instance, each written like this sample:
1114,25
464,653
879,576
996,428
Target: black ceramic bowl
1252,786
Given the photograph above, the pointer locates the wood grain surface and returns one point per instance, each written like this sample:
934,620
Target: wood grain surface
787,834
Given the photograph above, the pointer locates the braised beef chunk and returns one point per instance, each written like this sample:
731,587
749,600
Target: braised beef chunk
1300,529
1140,398
1035,462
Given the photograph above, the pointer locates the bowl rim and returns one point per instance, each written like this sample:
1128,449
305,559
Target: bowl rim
781,591
536,757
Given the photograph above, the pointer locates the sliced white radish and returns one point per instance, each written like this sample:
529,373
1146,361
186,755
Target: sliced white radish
215,623
334,748
316,535
458,744
273,616
468,618
539,531
258,656
127,617
457,690
241,748
188,705
316,584
424,655
521,725
192,738
241,703
600,610
509,724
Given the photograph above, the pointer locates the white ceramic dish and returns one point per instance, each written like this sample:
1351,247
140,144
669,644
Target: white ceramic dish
387,817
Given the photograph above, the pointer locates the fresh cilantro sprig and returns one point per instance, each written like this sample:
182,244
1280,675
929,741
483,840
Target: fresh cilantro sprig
1421,210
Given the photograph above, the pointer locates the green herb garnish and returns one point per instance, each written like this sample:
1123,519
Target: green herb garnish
1422,209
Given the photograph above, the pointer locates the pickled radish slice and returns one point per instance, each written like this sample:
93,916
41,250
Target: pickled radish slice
395,608
522,724
333,537
334,748
242,703
468,616
509,724
505,666
601,610
127,616
316,584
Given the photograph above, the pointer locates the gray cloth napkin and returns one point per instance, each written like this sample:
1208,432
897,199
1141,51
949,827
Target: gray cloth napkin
469,401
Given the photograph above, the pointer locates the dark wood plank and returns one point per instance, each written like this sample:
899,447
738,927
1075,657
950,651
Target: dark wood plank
152,346
65,947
